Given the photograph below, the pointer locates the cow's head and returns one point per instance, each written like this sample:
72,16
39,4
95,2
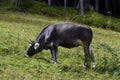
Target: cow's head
33,49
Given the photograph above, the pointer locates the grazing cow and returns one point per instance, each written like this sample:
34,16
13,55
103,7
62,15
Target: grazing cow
65,35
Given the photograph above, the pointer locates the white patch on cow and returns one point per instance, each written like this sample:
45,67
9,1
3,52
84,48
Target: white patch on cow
30,44
36,46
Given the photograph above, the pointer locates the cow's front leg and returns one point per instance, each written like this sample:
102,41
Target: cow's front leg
54,54
92,58
88,55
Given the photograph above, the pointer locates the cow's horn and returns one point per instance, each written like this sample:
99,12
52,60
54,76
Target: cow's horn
36,46
30,44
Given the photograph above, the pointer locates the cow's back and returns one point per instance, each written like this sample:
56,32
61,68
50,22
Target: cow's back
70,31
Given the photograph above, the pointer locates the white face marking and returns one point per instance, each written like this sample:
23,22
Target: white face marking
36,46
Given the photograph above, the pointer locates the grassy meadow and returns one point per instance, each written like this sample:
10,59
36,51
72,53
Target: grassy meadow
16,31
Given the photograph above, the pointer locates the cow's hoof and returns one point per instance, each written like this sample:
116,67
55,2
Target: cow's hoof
94,64
84,65
55,63
52,61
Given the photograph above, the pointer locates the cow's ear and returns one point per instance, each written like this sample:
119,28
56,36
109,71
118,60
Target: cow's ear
31,42
36,46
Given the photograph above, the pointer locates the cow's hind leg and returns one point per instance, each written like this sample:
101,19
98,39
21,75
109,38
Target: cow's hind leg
88,55
92,57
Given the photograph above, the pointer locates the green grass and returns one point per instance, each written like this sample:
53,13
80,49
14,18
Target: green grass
17,29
